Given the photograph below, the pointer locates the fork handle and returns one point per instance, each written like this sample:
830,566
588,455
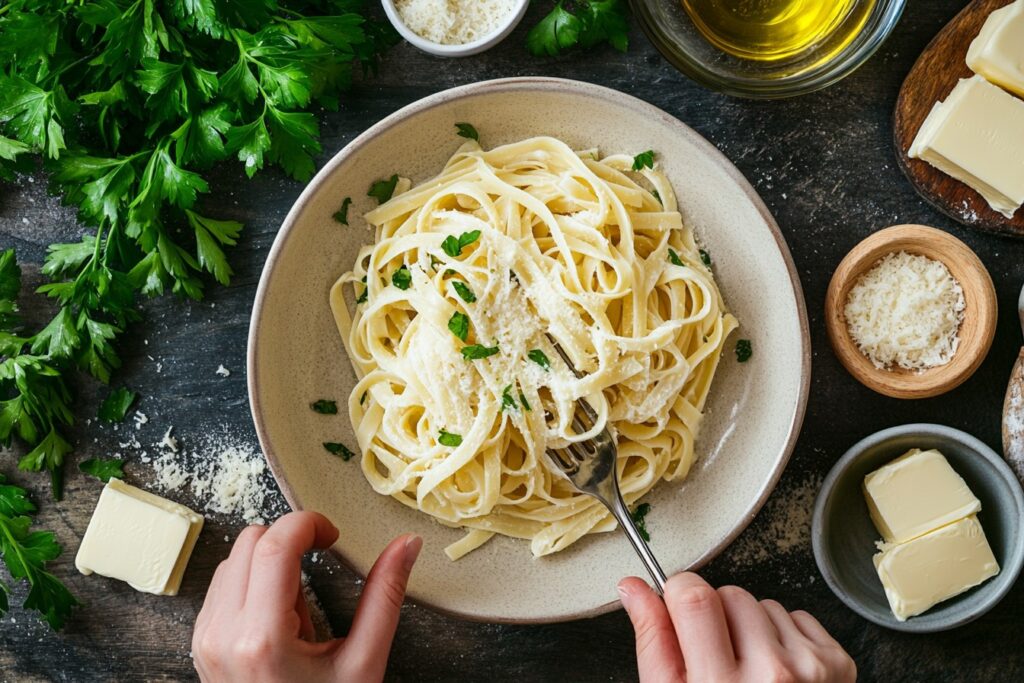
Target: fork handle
621,512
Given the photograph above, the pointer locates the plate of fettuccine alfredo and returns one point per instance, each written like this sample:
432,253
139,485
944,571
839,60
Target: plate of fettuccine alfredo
460,277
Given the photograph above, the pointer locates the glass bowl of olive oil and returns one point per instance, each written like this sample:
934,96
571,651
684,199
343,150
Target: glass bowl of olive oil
767,48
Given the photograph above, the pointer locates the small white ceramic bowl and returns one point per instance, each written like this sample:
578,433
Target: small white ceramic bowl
464,50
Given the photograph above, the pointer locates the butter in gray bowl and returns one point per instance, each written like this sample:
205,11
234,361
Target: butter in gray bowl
844,536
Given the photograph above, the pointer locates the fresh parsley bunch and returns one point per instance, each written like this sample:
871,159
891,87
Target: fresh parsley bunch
580,22
127,102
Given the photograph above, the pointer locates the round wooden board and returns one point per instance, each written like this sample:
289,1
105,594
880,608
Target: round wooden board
934,74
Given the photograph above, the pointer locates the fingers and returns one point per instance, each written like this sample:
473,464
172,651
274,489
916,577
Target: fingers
700,625
658,656
753,634
789,635
227,588
812,629
274,578
307,631
376,618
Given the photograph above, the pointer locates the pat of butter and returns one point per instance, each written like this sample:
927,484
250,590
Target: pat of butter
975,136
915,493
937,566
997,53
139,538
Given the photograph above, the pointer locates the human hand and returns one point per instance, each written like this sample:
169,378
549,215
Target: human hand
255,626
699,634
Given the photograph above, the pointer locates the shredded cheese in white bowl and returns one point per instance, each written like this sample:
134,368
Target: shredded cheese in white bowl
906,311
454,28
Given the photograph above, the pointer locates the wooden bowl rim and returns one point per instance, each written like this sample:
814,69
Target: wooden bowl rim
981,310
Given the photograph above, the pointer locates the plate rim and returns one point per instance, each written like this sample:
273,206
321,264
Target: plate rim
540,83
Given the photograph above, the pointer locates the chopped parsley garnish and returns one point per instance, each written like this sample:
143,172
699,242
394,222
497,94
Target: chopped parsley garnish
673,257
453,247
362,399
744,350
639,516
507,401
540,358
382,190
466,130
366,292
643,160
464,292
402,278
115,406
658,197
324,407
103,469
341,215
526,405
446,438
705,258
459,325
339,449
476,351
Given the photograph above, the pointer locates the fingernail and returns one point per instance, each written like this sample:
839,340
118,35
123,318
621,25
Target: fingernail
413,545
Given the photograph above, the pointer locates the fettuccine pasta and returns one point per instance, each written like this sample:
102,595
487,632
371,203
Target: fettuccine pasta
472,274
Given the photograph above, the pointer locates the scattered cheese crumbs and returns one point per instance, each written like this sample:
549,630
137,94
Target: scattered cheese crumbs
454,22
140,419
225,476
906,311
223,371
169,442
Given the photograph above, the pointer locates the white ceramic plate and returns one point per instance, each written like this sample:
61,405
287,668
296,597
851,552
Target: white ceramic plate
753,415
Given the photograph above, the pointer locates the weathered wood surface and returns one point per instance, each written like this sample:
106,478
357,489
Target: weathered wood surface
824,165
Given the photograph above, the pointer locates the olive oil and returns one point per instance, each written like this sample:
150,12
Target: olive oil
771,30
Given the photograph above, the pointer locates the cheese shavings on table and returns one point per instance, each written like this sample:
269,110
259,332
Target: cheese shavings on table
906,311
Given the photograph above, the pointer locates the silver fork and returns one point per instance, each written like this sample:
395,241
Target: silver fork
590,466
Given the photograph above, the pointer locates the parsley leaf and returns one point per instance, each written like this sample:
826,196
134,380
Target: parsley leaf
339,449
658,197
26,554
507,401
476,351
325,406
673,257
466,130
453,246
464,292
589,23
643,160
522,399
115,406
446,438
705,258
103,469
540,358
744,350
459,325
639,516
383,189
341,215
361,299
402,278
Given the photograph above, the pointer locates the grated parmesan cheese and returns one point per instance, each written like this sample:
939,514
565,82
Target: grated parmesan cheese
906,311
454,22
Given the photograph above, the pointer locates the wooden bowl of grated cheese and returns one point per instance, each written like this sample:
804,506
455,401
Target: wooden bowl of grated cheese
911,312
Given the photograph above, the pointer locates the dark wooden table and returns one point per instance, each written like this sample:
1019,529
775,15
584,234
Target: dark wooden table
823,163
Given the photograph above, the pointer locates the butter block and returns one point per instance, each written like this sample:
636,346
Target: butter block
923,572
975,136
139,538
997,53
915,493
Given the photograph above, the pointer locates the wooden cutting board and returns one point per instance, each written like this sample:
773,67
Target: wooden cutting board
933,76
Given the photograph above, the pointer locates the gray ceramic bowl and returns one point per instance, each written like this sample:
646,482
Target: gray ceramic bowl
843,534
